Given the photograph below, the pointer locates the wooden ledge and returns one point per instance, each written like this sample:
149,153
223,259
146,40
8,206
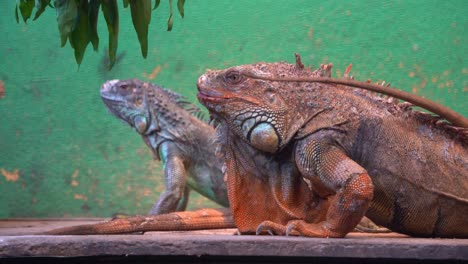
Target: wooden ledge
17,241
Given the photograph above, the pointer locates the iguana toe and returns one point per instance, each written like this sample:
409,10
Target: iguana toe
270,228
303,228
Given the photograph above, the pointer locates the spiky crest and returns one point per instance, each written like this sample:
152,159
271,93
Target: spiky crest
182,102
449,120
406,109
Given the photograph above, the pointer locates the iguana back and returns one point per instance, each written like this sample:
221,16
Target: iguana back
420,174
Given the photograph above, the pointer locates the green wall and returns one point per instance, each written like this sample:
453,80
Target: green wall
62,154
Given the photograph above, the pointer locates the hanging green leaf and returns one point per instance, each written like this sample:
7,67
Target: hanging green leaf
156,4
77,21
66,14
80,35
93,20
16,14
111,14
170,21
26,7
180,6
40,6
141,17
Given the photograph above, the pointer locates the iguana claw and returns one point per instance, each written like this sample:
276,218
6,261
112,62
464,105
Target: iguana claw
302,228
271,228
290,228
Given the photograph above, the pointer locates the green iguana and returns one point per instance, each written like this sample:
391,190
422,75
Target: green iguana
305,158
170,127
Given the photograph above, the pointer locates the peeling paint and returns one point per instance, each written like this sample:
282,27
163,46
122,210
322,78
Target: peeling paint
10,176
80,197
143,151
310,33
154,73
76,173
146,191
2,89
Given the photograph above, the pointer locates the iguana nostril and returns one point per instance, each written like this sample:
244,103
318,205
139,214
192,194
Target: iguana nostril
201,81
107,86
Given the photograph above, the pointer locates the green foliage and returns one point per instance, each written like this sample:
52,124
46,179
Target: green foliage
81,35
66,13
111,14
77,21
93,19
180,6
141,17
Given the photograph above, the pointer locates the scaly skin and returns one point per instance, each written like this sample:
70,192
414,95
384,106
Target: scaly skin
195,220
187,148
133,102
308,158
183,142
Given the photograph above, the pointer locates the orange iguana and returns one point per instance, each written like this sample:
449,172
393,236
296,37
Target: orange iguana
307,156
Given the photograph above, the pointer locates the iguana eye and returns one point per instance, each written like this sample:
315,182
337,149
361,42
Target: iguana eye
233,77
140,123
124,87
139,101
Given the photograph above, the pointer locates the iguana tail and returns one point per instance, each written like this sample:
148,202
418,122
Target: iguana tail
178,221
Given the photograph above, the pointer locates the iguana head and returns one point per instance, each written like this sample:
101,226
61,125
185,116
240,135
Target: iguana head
260,111
128,100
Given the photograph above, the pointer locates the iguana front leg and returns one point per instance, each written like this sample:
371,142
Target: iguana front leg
175,197
334,174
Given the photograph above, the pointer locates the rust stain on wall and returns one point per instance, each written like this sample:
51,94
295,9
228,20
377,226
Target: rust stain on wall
74,175
80,197
153,74
2,89
310,33
147,192
10,176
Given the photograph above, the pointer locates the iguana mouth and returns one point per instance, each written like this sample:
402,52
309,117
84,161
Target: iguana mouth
203,97
109,95
206,97
112,101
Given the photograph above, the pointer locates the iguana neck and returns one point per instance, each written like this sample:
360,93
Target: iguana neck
174,122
